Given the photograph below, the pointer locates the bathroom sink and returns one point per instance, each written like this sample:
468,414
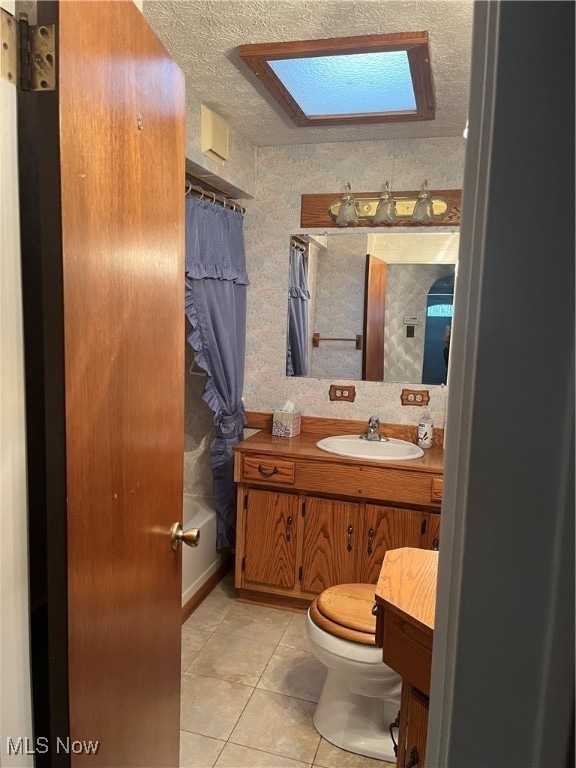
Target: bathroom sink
356,448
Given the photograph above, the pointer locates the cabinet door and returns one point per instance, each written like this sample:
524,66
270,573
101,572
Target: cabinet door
384,528
431,537
416,730
270,539
329,543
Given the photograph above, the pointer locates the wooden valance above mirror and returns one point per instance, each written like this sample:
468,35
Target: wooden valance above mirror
315,209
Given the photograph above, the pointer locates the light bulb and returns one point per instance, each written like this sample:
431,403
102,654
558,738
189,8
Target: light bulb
423,211
386,209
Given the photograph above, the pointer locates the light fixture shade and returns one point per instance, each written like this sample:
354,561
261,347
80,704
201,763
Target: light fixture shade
348,211
386,209
423,210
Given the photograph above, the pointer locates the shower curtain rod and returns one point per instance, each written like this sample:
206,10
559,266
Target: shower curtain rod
213,198
298,243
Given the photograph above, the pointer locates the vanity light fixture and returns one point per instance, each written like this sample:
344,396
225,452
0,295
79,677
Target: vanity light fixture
421,208
386,212
423,212
348,209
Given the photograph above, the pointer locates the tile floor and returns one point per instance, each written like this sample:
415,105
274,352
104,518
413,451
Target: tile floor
249,689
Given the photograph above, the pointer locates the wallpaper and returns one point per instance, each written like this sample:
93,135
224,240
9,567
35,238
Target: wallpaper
283,175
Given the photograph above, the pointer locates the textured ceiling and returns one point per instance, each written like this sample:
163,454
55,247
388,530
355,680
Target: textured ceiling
203,37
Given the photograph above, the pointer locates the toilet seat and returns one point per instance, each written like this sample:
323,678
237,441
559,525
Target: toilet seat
345,611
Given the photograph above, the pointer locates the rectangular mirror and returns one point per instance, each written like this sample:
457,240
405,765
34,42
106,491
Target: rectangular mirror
374,307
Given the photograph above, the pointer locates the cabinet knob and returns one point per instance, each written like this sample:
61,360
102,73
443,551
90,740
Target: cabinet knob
288,524
350,531
371,534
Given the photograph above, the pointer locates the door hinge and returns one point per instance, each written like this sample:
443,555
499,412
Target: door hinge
423,527
243,563
300,573
28,53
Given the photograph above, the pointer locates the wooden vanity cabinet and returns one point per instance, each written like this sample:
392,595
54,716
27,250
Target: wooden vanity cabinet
405,612
382,528
329,543
271,525
305,523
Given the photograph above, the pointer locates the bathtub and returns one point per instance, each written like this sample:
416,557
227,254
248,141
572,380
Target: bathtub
201,562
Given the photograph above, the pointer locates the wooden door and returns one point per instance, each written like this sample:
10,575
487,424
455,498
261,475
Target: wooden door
374,307
384,528
271,521
103,194
330,540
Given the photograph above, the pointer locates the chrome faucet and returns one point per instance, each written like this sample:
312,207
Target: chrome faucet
372,431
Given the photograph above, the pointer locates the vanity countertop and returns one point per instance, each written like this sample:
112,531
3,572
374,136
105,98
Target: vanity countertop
303,446
407,585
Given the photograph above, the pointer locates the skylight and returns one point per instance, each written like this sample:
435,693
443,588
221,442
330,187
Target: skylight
360,83
374,78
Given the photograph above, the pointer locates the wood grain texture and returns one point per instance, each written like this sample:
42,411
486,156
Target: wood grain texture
374,313
338,630
391,527
123,266
350,605
314,209
257,55
324,427
407,649
407,583
329,554
298,604
432,540
271,531
275,470
361,482
416,727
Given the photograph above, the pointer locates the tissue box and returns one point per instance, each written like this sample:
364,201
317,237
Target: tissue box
286,423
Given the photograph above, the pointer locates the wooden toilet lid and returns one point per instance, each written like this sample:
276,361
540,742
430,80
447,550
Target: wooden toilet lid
345,611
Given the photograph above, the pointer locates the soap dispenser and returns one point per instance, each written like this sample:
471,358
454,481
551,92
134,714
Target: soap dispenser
425,432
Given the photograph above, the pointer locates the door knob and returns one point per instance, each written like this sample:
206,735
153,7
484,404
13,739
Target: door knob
177,536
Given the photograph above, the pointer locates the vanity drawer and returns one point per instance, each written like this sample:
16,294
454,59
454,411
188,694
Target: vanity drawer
367,482
437,489
270,470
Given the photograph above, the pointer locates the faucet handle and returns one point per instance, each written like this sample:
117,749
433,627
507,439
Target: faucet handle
373,422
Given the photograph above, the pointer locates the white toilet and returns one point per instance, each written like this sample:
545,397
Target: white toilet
361,695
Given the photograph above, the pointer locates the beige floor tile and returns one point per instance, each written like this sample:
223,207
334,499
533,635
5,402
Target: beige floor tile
256,622
235,756
294,673
329,756
193,640
198,751
295,634
238,659
278,724
211,707
210,612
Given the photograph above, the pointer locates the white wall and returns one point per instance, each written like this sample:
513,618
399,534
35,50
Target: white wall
15,696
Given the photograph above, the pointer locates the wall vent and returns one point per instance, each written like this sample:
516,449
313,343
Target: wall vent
213,135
